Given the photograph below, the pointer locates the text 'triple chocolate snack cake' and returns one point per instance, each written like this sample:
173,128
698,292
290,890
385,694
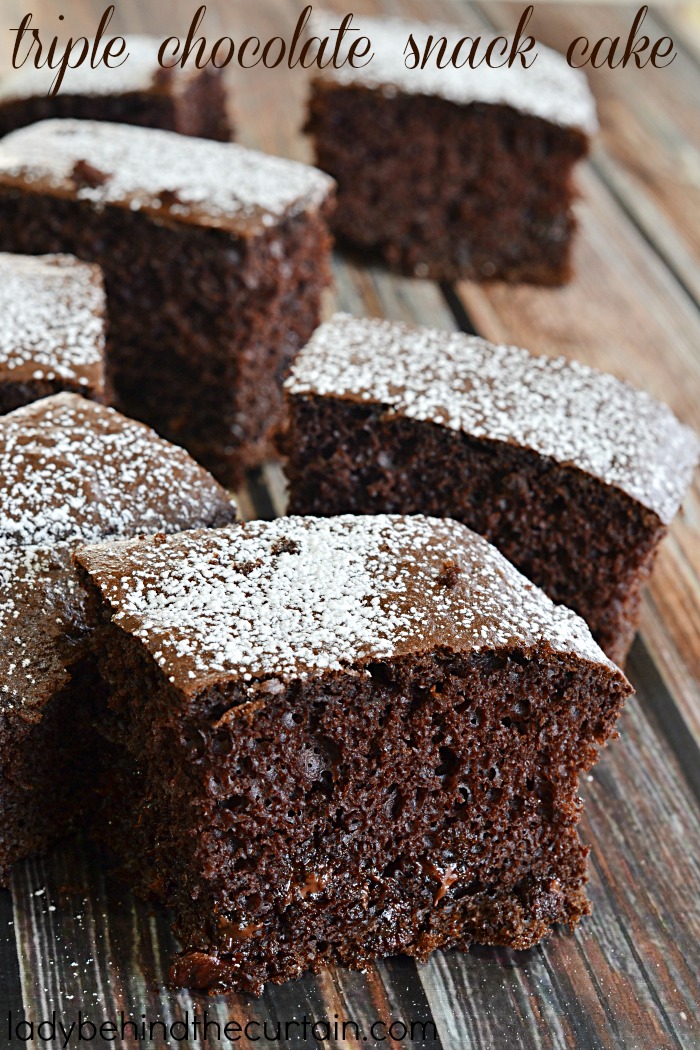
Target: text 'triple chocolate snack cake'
214,259
453,172
343,739
140,91
71,471
52,329
571,473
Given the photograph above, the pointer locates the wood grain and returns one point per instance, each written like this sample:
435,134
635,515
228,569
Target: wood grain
629,977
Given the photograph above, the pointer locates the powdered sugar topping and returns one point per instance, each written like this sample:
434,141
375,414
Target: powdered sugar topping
561,409
74,471
549,88
51,321
299,596
214,184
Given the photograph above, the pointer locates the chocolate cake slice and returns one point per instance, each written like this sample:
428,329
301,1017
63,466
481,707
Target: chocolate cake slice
214,258
52,329
70,471
453,172
140,91
571,473
343,739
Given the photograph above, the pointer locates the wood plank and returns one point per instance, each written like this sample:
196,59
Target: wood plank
10,986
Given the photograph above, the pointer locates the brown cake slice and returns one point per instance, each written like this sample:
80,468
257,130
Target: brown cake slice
452,172
214,258
343,739
190,101
52,329
571,473
70,471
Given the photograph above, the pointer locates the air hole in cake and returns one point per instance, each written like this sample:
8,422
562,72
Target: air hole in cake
236,803
449,762
221,743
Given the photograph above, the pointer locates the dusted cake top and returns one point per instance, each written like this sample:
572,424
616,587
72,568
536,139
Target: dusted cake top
40,605
549,88
51,320
72,470
298,596
561,409
214,184
140,72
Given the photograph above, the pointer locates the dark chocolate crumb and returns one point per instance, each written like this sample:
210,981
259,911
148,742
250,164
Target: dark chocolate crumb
86,174
284,546
246,567
449,575
169,197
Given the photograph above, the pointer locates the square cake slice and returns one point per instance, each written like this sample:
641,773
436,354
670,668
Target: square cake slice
571,473
190,101
453,172
214,258
52,329
70,471
343,739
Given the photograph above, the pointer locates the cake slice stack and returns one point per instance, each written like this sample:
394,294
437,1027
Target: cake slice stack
574,475
214,259
71,471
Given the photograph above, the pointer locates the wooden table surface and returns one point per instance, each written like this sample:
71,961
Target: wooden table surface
71,939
